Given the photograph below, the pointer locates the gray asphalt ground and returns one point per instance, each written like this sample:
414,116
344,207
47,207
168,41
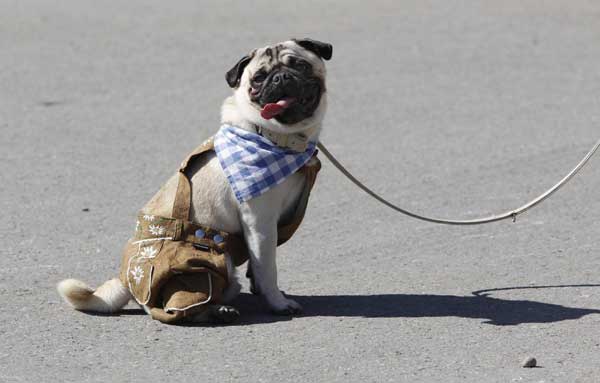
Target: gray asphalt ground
450,108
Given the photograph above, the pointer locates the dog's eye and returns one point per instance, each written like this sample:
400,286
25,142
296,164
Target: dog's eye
259,77
301,65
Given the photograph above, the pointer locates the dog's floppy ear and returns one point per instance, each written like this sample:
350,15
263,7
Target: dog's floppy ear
319,48
234,74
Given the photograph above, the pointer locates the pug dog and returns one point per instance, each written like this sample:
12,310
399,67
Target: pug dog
279,92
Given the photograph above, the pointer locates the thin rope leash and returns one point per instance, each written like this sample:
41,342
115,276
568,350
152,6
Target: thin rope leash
512,214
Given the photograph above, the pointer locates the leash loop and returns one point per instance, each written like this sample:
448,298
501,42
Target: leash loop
478,221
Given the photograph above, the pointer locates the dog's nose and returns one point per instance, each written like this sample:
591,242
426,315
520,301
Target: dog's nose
280,77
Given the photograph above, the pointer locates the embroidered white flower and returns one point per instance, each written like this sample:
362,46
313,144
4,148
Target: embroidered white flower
156,229
149,252
148,217
138,274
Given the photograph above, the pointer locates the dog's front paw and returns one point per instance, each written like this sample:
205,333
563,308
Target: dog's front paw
286,307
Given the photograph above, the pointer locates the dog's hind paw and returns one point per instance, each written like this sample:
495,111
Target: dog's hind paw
216,314
225,315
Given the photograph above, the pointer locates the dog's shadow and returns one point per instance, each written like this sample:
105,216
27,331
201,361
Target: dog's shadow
493,311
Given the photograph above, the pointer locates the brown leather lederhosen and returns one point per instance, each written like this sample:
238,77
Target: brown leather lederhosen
173,271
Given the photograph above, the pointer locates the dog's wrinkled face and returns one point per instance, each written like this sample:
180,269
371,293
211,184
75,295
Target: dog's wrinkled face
283,84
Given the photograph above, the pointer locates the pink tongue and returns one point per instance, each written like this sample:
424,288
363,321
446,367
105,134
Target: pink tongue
273,109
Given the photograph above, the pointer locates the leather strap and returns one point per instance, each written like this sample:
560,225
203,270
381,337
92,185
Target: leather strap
207,145
183,194
286,230
183,198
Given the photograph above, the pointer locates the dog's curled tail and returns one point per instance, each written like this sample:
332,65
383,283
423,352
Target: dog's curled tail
108,298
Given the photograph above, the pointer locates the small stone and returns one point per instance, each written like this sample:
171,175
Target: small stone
85,209
529,362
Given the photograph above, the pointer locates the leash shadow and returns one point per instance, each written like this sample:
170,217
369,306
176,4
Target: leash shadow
493,311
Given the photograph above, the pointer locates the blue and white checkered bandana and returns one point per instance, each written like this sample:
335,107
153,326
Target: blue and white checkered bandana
253,164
